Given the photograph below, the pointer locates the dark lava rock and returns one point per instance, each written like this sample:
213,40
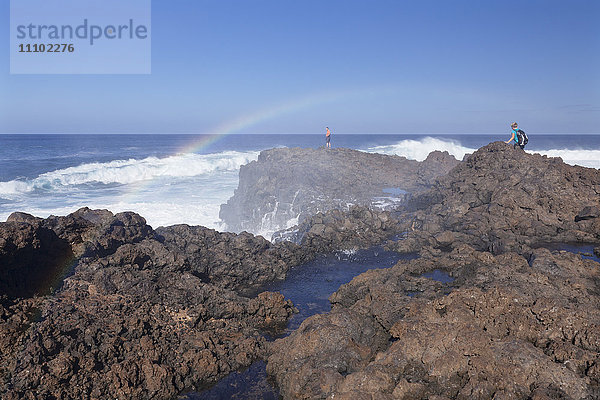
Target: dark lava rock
147,314
141,314
588,212
513,322
150,314
500,200
359,227
32,258
293,184
501,329
239,262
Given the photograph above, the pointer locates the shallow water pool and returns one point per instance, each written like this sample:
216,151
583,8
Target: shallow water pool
586,251
309,287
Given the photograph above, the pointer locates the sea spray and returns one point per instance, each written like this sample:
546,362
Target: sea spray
132,171
420,149
183,188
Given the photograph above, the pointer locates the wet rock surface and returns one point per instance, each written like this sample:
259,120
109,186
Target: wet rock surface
96,305
238,262
501,329
358,227
294,184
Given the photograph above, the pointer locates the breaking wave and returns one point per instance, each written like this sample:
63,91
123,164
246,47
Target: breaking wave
419,149
584,158
131,171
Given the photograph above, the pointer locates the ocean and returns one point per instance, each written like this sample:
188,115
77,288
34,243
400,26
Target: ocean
173,179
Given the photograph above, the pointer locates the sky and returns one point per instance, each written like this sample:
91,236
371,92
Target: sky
377,66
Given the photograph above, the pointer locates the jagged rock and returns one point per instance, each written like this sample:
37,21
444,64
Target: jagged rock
588,212
504,329
345,342
514,325
286,185
357,228
232,261
32,258
506,200
143,314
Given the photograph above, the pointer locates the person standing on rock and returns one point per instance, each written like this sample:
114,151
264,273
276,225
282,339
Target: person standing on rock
515,138
328,138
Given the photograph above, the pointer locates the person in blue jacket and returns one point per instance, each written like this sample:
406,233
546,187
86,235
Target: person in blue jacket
514,138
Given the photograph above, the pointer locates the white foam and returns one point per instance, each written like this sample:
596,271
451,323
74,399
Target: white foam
14,187
131,171
420,149
584,158
182,189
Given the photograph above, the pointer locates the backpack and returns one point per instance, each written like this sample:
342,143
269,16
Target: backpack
522,138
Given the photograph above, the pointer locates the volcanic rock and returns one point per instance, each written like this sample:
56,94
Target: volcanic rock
359,227
96,305
500,328
588,212
501,200
510,320
141,314
239,262
286,185
32,258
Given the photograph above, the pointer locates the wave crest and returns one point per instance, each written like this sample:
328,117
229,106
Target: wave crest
132,171
584,158
420,149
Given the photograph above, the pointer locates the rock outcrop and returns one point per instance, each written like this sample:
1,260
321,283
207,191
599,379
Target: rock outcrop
97,305
358,227
501,329
500,200
33,258
510,320
286,185
141,314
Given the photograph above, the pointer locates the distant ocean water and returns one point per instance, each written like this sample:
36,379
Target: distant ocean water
159,177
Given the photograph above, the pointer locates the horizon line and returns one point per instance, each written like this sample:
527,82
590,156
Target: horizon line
306,133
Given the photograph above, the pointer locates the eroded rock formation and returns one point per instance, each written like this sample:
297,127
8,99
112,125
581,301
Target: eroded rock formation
286,185
513,319
499,200
96,305
142,314
501,329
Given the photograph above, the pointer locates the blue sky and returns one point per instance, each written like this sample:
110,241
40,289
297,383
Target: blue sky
379,66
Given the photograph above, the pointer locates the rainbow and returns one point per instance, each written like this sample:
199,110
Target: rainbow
246,121
249,120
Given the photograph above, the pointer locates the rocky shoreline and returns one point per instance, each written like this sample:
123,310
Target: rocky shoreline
96,305
286,185
517,321
136,317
